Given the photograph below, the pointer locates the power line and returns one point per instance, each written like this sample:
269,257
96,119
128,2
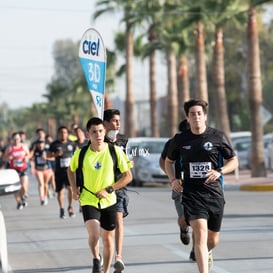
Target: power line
22,8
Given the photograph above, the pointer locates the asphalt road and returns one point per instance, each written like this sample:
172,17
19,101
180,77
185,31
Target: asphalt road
40,242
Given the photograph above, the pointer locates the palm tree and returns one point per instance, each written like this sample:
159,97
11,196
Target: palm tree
153,91
219,15
200,59
255,99
128,17
183,83
255,95
151,12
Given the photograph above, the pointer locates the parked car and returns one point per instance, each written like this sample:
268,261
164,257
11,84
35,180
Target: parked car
241,142
267,140
9,183
145,153
269,152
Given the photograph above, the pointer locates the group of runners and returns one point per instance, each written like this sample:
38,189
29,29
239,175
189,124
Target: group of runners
195,160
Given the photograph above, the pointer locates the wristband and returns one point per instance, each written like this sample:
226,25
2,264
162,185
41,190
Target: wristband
173,179
219,170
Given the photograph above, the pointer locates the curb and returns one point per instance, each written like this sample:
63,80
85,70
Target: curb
257,187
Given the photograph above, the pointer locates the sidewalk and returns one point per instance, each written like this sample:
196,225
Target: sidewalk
244,182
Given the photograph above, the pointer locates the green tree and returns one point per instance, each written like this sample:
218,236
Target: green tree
128,9
67,94
217,16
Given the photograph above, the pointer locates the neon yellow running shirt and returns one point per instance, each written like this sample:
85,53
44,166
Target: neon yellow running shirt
98,174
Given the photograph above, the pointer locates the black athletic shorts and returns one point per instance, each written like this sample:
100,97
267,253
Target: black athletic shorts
209,208
106,217
61,180
22,173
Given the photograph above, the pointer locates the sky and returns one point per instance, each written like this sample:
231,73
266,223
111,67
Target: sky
28,31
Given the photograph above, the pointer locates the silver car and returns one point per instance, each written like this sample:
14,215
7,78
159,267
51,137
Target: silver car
145,153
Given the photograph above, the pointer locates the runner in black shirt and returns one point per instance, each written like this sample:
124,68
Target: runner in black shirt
111,122
62,149
206,155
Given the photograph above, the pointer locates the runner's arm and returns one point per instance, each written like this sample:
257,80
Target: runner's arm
72,180
170,171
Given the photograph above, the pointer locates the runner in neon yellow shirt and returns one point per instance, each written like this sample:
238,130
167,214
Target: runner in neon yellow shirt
98,199
96,166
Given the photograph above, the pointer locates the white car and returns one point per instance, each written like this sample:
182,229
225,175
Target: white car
145,153
9,183
267,140
241,142
269,152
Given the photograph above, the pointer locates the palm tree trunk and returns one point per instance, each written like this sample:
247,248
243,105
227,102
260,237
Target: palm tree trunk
218,69
183,85
200,58
129,101
153,98
107,102
255,96
172,93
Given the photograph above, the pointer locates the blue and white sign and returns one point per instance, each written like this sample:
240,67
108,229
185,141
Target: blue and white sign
92,54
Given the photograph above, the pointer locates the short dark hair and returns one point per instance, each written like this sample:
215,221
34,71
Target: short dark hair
109,113
61,128
183,125
190,103
39,130
93,121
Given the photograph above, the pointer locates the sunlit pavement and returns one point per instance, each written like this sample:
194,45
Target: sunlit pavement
40,242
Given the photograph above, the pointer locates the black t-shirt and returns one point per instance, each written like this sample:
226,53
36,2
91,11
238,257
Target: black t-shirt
121,141
200,153
68,148
177,162
40,162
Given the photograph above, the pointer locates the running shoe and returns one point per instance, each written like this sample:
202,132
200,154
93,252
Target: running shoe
192,255
184,235
97,265
70,212
62,215
45,201
19,206
50,194
119,266
24,202
210,260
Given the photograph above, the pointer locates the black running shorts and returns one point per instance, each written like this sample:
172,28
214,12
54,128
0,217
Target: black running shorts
61,180
209,208
106,217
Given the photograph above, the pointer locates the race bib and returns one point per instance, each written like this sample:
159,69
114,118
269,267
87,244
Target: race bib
18,163
41,160
199,169
64,162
